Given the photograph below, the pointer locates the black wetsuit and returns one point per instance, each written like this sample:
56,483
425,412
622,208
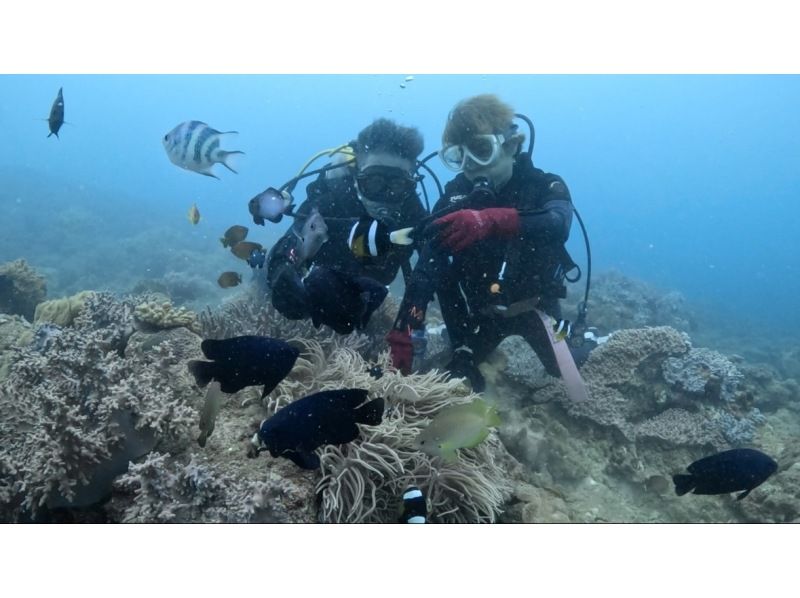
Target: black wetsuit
530,266
337,201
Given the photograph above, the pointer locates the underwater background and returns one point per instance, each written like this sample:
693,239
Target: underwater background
686,185
687,182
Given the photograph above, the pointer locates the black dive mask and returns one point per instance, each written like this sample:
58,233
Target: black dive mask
385,184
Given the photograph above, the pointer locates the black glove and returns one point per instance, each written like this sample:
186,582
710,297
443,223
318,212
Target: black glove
462,366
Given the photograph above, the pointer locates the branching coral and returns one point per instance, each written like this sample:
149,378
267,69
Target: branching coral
74,415
21,289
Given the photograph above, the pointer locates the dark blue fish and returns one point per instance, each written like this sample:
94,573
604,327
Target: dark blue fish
342,301
56,118
257,258
327,417
415,510
244,361
729,471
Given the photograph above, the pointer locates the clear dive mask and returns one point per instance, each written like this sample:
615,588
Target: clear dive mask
481,149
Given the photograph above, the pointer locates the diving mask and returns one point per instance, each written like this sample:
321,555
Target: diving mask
385,184
481,149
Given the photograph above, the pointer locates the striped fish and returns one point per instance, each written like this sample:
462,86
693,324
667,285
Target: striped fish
194,145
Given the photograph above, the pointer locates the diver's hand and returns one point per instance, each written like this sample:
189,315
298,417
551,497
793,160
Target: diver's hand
401,351
461,229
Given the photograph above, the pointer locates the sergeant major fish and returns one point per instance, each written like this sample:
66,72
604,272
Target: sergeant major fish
56,118
194,145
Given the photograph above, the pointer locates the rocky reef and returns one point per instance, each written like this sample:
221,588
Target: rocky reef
101,422
21,289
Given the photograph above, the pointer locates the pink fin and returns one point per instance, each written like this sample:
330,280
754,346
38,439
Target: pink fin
576,389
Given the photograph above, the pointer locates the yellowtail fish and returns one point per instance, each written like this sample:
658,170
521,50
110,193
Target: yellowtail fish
193,214
235,234
229,279
562,329
455,427
194,145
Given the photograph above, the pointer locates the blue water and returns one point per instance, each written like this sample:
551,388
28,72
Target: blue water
687,182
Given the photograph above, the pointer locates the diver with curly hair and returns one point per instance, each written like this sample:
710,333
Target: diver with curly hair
495,256
336,286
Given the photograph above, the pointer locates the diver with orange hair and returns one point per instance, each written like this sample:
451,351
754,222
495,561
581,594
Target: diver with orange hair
495,255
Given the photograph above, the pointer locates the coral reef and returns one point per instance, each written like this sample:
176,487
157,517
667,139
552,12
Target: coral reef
75,414
703,372
165,490
151,316
363,480
61,312
21,289
14,331
618,301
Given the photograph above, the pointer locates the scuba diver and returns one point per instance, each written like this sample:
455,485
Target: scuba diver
312,271
494,254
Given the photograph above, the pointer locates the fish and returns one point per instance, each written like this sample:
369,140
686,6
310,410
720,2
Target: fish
455,427
208,414
56,118
415,509
409,78
728,471
562,329
271,205
193,145
342,301
235,234
257,259
193,214
376,371
312,233
229,279
327,417
243,249
242,361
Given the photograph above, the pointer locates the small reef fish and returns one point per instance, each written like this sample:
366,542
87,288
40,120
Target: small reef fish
455,427
327,417
271,205
56,118
376,372
728,471
243,361
229,279
562,329
235,234
312,233
257,259
415,509
193,214
208,414
194,145
340,300
371,238
243,249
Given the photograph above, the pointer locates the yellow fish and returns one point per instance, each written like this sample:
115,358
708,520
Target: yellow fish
455,427
193,214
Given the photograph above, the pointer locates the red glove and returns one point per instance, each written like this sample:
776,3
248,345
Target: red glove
400,350
459,230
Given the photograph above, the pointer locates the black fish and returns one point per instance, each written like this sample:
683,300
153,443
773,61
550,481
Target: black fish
415,510
56,118
327,417
729,471
244,361
342,301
